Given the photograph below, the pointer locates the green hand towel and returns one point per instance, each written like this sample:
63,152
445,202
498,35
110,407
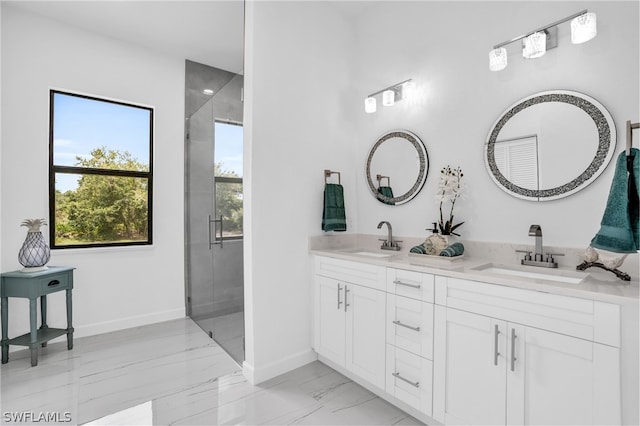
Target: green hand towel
619,226
333,214
387,192
418,249
455,249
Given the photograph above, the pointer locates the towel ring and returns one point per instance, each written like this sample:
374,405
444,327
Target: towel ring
380,177
328,173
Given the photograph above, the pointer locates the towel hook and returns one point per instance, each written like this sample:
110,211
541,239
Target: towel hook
328,173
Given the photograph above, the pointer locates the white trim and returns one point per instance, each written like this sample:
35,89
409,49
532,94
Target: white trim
129,322
261,374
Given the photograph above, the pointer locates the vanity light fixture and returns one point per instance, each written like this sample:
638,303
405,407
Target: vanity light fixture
390,95
536,43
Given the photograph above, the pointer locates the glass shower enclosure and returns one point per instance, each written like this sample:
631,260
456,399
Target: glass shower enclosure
213,204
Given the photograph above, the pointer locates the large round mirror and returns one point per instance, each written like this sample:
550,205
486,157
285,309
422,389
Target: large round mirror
397,167
550,145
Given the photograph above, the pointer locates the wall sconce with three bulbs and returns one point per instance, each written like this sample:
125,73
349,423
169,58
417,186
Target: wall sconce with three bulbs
390,95
536,43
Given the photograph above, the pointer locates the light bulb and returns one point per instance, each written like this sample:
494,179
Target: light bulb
409,90
498,59
370,105
534,45
388,97
583,28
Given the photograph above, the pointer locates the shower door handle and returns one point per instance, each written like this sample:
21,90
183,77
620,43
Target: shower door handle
215,237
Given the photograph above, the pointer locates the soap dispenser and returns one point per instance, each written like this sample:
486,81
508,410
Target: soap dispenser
435,242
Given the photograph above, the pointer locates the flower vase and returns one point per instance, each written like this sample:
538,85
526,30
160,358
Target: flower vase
34,253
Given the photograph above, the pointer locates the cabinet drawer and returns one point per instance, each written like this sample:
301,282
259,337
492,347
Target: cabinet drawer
582,318
55,282
353,272
410,379
415,285
410,325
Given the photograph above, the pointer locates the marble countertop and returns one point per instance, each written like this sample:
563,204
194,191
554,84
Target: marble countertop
598,284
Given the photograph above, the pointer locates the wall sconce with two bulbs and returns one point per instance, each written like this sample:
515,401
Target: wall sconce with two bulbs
390,95
537,42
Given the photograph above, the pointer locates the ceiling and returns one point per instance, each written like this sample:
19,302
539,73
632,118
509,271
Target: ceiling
206,31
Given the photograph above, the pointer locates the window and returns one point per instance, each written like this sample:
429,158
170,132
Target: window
228,178
100,172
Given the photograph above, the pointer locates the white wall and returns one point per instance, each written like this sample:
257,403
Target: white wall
444,47
308,71
297,123
114,288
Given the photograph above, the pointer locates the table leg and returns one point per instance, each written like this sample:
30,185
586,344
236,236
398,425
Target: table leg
43,312
69,325
33,321
5,330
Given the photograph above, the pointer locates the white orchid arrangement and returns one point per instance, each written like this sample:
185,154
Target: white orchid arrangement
450,188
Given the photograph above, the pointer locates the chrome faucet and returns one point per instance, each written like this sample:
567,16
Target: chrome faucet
389,243
538,258
536,231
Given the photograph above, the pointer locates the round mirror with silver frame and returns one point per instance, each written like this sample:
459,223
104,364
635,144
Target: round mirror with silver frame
549,145
397,167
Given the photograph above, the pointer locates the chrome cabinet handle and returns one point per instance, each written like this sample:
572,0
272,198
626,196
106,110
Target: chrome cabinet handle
398,282
339,301
396,322
513,349
346,290
495,346
397,375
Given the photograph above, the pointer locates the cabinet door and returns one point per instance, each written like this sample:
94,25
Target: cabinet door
469,368
366,333
330,319
558,379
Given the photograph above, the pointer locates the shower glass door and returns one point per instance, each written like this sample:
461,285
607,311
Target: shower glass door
213,216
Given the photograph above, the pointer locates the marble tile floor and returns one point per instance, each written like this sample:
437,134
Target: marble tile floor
172,373
228,332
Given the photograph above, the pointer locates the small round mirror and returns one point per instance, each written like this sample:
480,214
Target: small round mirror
397,167
550,145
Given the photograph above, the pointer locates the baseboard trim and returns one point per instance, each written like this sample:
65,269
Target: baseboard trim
129,322
261,374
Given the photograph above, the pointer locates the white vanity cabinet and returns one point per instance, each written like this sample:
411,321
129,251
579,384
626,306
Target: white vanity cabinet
350,317
510,356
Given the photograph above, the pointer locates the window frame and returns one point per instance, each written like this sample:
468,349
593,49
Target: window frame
53,169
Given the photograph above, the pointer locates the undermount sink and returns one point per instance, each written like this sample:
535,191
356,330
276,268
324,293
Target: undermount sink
525,272
361,252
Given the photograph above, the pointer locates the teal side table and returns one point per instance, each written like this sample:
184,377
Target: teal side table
31,285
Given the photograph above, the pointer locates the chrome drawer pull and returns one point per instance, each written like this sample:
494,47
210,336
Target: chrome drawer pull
513,349
339,301
398,282
53,282
495,346
396,322
346,305
397,375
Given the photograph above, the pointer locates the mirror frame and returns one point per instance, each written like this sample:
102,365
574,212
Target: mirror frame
423,157
606,144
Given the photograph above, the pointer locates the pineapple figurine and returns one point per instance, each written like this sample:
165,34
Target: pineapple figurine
35,252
